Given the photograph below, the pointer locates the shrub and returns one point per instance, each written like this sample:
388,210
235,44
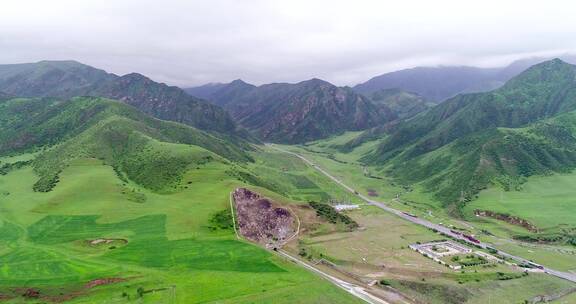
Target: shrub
331,215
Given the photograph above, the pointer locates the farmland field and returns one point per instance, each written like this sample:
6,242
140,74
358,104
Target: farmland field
164,248
170,253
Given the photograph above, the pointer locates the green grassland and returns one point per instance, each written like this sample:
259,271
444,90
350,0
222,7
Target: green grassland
380,251
387,239
170,247
289,176
348,168
525,201
555,194
154,188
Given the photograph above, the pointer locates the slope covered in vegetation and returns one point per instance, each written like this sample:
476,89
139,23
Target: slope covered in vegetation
151,152
458,147
300,112
66,79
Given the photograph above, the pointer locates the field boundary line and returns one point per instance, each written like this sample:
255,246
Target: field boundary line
297,227
233,218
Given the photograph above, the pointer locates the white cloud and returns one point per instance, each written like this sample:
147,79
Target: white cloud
192,42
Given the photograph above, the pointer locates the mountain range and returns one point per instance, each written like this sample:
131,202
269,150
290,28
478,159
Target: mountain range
81,148
296,113
66,79
453,149
457,148
437,84
149,151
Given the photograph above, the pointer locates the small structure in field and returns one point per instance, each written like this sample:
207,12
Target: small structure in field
344,207
437,251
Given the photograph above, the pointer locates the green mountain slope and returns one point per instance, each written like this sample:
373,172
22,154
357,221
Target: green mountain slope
403,104
48,78
67,79
460,146
151,152
164,102
440,83
301,112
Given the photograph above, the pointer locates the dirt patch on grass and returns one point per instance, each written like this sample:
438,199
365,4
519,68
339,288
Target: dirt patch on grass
262,220
105,281
103,241
372,192
510,219
57,294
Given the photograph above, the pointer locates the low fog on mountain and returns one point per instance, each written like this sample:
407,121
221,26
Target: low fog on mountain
189,43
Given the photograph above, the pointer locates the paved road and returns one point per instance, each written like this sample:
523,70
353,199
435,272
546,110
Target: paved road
349,287
444,230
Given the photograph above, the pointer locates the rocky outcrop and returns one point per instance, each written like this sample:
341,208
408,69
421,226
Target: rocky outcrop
299,112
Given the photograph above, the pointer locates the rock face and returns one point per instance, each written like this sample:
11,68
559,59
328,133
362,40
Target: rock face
261,220
300,112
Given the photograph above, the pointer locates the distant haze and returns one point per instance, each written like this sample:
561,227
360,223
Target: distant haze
190,43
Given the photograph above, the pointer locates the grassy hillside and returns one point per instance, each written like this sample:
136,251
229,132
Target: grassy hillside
103,203
48,78
403,104
457,148
152,152
65,79
161,247
553,193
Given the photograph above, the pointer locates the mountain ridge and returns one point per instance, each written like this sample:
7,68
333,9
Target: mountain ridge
452,139
299,112
131,141
443,82
66,79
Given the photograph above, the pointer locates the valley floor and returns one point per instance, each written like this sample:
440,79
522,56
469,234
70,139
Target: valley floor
52,244
97,238
370,183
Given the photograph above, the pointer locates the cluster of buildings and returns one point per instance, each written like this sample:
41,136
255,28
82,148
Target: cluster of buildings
438,250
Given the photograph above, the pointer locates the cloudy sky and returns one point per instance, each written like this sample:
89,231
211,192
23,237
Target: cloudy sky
194,42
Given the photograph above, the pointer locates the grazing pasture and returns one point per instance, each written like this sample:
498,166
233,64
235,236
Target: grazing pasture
169,253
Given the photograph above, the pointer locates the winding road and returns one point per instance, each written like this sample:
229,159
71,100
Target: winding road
416,220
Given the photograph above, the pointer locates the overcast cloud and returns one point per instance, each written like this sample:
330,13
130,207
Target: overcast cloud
193,42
